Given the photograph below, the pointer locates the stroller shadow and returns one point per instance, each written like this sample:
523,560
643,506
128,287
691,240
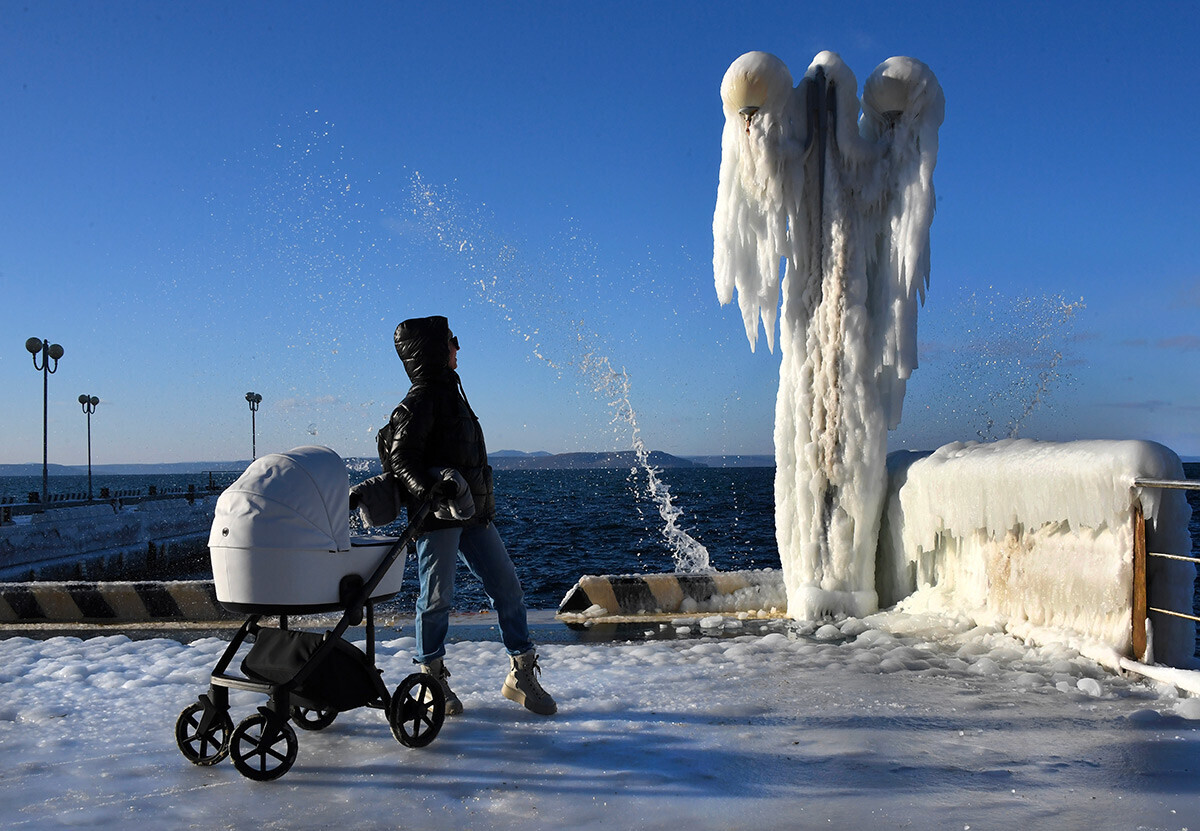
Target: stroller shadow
581,753
586,753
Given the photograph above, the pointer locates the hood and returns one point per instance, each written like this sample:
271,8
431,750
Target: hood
298,500
423,343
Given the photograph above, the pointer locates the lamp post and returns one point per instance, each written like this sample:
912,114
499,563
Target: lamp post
50,352
253,399
89,403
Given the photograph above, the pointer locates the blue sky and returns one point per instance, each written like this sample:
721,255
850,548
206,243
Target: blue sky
201,199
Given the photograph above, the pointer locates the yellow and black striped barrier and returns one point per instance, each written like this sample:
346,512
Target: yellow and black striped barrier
117,602
677,592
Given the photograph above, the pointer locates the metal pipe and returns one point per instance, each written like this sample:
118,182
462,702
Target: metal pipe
1173,557
1175,614
1176,484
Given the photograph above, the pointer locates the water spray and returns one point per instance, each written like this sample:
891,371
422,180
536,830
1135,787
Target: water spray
583,352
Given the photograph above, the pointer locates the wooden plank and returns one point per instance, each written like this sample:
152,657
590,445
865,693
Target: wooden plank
1139,583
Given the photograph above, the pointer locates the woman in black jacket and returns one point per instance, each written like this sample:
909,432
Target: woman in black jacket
434,434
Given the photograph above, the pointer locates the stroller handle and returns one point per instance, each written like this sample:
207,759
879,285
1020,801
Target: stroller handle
410,533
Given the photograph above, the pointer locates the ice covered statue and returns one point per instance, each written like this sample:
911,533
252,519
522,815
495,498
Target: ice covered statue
827,202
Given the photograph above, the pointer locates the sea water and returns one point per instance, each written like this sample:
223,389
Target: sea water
557,525
561,524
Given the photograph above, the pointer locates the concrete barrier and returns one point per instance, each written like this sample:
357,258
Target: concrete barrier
674,593
83,602
80,542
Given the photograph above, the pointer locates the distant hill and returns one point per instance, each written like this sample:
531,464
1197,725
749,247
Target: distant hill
585,461
734,461
500,459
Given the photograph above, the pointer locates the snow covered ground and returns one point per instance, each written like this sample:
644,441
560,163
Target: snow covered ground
896,721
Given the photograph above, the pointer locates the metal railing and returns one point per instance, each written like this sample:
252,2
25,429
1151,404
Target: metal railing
1141,607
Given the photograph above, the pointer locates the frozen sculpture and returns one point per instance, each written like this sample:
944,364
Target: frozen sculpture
823,217
845,203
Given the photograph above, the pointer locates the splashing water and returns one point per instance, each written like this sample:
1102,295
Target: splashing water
501,277
689,554
300,221
1011,355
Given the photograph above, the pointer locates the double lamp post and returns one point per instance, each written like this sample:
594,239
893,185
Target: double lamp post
50,353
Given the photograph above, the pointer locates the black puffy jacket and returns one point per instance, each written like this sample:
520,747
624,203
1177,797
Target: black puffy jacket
434,426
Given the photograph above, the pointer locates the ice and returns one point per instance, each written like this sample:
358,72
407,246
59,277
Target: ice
1037,537
847,213
971,725
826,216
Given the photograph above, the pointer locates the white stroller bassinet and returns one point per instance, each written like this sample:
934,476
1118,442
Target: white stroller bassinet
280,539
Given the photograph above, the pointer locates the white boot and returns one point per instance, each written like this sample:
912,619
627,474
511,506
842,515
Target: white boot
522,685
437,668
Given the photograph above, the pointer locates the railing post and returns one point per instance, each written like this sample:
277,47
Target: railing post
1139,583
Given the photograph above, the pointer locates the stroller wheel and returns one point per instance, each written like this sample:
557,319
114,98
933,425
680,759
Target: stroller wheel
203,742
311,718
263,746
417,710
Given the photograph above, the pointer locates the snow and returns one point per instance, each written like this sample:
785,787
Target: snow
891,720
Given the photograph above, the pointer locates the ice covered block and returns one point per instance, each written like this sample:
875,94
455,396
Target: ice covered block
1039,537
675,592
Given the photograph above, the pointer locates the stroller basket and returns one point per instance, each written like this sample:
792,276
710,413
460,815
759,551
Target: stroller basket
280,545
343,680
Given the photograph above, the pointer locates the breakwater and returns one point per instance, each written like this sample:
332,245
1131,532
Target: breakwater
145,536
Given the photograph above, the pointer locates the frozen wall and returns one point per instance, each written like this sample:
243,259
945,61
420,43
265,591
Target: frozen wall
1038,537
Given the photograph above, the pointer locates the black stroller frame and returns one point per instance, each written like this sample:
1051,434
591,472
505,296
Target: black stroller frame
308,679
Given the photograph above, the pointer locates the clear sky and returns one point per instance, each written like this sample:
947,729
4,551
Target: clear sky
202,199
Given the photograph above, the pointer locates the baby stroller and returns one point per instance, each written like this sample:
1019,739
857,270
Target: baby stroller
280,545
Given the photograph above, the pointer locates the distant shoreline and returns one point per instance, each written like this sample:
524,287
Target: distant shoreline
500,460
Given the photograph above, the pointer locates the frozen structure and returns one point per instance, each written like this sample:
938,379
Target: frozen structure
1038,537
822,218
844,202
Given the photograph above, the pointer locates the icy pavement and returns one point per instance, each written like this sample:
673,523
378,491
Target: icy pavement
845,727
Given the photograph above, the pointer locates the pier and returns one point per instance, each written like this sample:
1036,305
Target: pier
122,533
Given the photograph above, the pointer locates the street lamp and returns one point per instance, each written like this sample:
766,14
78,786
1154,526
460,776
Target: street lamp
50,352
89,403
253,399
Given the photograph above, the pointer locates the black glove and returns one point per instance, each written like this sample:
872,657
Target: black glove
444,489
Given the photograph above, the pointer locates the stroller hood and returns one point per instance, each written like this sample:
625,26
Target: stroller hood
299,499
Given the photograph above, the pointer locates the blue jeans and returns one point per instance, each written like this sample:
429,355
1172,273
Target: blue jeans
481,548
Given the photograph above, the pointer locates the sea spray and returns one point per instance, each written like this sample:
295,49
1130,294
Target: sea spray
689,554
994,362
318,231
502,277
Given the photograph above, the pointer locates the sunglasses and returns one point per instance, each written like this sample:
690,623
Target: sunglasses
454,341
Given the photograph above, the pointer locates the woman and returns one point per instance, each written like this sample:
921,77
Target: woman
434,433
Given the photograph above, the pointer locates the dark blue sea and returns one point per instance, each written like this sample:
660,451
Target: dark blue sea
560,525
557,525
